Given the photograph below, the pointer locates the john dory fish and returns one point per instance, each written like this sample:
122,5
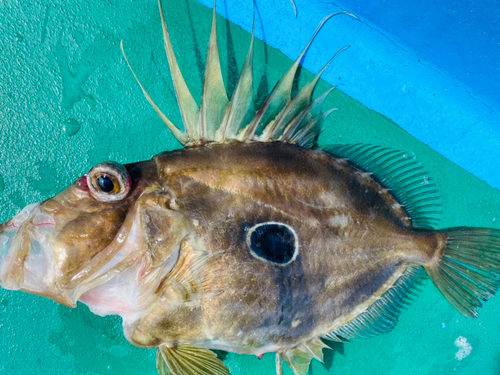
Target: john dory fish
250,239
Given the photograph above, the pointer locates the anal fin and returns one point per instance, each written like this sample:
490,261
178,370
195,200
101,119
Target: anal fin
299,358
383,314
188,360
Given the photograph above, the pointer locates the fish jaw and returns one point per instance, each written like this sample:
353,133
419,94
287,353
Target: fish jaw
26,258
35,252
38,246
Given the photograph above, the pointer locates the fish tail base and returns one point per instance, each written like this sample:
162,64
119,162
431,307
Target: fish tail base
468,270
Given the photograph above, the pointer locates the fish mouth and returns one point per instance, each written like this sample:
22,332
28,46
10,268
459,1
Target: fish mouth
30,262
26,256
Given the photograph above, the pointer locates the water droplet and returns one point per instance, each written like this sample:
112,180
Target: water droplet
443,325
71,127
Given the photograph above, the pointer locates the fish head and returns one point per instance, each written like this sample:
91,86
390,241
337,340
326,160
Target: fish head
91,232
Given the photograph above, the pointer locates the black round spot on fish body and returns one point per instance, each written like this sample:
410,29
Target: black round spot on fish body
273,242
105,183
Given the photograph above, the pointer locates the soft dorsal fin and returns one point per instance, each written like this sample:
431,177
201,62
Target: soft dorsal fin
219,120
188,360
299,358
403,174
383,314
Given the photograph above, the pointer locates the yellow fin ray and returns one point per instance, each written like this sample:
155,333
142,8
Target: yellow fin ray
188,360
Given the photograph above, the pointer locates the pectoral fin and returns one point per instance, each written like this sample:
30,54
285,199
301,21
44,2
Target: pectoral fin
188,360
197,275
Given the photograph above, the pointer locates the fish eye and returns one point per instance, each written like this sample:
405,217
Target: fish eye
105,183
109,182
273,242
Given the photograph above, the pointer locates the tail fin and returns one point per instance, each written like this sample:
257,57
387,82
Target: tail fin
469,270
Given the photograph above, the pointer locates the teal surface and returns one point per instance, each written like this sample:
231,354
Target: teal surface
68,101
422,63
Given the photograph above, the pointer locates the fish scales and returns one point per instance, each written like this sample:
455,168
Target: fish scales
271,306
251,239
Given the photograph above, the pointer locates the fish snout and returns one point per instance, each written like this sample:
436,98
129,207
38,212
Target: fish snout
26,259
14,248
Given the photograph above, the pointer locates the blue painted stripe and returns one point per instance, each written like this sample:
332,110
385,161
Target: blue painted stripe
385,75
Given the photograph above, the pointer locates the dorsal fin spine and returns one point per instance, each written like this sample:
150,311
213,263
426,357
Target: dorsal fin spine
312,113
214,98
179,134
187,105
290,129
297,105
305,137
242,101
220,120
282,91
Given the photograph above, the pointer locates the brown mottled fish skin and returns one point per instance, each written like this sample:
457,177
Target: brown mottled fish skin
354,242
82,228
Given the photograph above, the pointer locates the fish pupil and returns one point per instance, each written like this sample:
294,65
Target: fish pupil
105,183
273,242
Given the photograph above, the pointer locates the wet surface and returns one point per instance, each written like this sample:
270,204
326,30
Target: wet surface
62,61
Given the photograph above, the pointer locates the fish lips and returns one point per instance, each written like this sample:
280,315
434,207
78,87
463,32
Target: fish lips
26,259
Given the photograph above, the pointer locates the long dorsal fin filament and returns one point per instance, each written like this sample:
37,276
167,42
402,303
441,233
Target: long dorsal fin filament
280,96
187,105
179,134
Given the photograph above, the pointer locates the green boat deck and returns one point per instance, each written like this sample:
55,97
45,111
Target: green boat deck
69,101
